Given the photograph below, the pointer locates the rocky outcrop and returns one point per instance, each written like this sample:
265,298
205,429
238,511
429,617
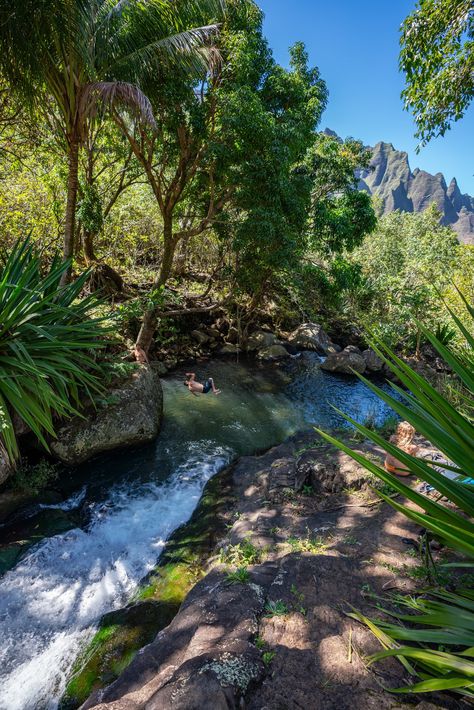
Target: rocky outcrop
390,178
310,336
131,416
187,666
259,340
278,635
346,362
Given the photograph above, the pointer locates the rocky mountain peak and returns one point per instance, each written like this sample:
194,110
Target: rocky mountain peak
391,179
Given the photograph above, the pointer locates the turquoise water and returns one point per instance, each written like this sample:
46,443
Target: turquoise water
124,506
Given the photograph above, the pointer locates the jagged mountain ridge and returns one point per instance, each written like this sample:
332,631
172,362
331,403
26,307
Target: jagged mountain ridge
392,181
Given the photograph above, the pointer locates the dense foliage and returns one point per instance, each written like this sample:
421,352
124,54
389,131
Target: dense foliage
437,57
406,263
47,340
77,58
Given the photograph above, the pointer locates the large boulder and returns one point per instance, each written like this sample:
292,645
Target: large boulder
273,353
200,337
133,416
345,362
373,362
310,336
260,340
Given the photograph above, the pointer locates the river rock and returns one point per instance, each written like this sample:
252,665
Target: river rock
310,336
233,335
213,333
200,337
132,417
5,467
373,362
273,352
344,362
260,340
229,349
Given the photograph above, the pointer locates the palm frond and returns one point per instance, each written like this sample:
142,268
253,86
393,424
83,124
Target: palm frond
116,93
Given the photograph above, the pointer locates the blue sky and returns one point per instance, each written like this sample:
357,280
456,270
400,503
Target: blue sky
355,45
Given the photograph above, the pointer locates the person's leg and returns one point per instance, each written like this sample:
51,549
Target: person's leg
214,388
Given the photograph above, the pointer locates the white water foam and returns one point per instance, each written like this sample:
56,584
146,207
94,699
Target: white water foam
69,504
50,603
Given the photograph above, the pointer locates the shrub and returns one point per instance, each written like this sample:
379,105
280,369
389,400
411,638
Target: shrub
47,338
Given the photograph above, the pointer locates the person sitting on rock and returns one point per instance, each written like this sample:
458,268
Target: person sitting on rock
198,388
402,438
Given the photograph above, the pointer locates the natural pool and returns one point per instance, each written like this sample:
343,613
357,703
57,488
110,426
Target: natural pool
121,509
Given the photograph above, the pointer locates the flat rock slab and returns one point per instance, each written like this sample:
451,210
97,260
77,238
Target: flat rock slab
201,660
283,640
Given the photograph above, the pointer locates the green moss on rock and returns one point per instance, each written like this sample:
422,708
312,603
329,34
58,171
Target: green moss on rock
124,632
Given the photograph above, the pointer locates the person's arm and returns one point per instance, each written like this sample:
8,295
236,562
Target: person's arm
191,375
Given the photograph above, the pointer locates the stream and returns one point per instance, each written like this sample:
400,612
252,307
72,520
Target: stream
122,508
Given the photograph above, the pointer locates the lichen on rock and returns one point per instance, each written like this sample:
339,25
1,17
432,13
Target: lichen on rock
236,671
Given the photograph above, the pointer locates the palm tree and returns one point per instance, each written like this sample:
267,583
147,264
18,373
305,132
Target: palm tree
90,54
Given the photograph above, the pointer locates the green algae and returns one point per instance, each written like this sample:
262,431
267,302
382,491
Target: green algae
124,632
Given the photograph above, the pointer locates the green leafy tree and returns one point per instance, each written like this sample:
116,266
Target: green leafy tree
437,57
224,157
89,53
267,215
406,262
340,214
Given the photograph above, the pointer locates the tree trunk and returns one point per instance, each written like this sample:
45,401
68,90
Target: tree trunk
150,319
88,247
72,183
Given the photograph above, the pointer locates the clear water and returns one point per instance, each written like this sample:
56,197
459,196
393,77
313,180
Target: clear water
130,502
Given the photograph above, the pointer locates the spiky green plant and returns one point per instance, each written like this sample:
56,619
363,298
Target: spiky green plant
47,335
436,641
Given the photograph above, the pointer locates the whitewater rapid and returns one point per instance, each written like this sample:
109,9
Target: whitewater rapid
51,601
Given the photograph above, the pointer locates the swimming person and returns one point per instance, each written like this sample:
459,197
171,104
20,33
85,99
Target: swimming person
197,388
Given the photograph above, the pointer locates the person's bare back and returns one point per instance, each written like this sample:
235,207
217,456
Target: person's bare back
197,388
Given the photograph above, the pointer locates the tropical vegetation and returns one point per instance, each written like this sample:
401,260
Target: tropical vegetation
438,61
49,338
432,633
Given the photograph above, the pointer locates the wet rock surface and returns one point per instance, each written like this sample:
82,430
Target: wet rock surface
373,362
310,336
279,638
345,362
273,353
132,415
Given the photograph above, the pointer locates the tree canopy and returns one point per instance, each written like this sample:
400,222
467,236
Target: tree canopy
437,57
